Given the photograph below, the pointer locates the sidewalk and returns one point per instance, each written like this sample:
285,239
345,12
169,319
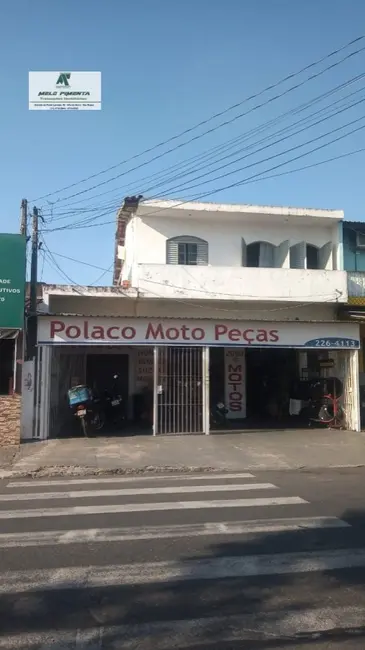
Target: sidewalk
269,450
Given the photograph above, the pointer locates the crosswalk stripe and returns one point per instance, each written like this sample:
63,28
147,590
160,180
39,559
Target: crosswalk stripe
209,476
90,577
149,507
124,534
300,625
126,492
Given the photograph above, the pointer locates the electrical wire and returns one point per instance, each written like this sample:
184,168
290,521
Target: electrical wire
72,259
274,156
267,146
215,128
102,275
316,164
215,151
333,111
249,178
256,178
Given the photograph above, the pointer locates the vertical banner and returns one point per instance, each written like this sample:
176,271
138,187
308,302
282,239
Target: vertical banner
28,387
235,383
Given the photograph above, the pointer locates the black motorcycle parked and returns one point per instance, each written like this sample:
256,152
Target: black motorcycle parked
218,414
114,404
87,408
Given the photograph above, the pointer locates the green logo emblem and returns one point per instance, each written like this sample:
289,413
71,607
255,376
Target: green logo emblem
63,79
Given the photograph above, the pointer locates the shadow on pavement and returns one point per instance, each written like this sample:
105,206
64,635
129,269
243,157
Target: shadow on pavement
268,601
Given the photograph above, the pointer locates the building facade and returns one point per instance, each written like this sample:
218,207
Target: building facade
211,304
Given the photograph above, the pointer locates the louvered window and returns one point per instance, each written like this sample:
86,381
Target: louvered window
187,250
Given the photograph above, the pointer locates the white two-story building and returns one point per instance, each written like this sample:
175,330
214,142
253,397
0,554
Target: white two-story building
211,303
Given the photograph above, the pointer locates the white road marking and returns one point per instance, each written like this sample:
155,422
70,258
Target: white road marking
90,577
31,513
125,534
128,479
165,635
128,492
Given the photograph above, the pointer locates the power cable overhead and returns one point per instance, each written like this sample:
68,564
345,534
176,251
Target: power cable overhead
331,110
215,116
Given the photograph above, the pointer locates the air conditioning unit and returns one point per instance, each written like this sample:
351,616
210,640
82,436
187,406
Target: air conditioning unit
360,240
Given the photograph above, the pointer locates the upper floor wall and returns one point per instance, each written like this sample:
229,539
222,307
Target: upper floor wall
233,236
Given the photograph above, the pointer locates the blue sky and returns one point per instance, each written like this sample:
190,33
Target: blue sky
166,65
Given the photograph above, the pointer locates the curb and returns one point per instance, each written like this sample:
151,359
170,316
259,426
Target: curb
76,471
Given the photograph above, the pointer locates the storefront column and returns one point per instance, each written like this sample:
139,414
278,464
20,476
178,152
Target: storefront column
354,370
155,390
43,392
206,391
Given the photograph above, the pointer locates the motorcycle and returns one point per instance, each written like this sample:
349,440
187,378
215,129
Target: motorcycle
86,408
114,410
218,413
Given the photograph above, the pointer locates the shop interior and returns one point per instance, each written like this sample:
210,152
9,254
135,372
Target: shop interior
279,384
275,380
126,374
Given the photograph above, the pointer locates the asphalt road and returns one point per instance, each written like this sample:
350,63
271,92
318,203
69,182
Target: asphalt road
238,561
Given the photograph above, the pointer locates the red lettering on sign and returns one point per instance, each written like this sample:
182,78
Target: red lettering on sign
262,336
198,333
274,336
247,335
73,332
86,329
98,333
184,332
128,333
56,326
219,330
234,335
110,331
154,332
172,333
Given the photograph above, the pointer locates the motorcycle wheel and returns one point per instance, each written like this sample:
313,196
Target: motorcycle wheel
98,421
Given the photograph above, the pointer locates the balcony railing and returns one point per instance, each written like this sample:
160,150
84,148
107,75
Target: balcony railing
239,283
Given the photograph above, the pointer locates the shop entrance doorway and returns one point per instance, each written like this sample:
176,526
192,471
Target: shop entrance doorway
101,369
271,375
179,390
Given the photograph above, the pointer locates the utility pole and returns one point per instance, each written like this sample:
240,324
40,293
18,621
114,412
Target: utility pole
23,217
32,317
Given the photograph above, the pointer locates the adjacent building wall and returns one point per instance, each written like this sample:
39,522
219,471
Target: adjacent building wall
10,411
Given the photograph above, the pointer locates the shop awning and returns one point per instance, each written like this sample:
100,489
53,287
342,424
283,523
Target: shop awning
8,334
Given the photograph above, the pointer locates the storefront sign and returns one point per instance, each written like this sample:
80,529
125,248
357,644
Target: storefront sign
140,331
12,281
234,381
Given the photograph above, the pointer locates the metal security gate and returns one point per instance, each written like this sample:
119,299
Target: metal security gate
347,370
179,401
